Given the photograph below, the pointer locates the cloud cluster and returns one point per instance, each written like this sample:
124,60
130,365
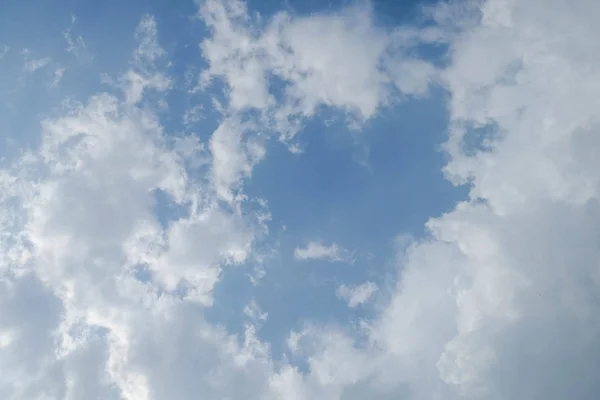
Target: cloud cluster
101,299
93,283
288,66
501,300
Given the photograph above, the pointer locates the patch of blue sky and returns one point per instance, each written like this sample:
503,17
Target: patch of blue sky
357,188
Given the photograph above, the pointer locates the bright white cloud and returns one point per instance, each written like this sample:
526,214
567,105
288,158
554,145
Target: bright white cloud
340,60
333,60
79,221
501,301
234,153
356,295
319,251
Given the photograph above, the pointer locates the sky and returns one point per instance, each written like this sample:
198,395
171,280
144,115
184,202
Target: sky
293,200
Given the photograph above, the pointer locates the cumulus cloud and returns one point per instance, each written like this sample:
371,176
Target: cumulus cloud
235,151
79,223
505,286
302,53
305,52
500,302
147,66
319,251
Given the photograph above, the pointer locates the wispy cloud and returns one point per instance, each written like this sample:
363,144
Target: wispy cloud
255,313
145,72
193,115
34,65
315,250
148,50
75,44
358,294
58,75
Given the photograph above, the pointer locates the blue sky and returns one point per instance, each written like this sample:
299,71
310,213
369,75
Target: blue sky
230,199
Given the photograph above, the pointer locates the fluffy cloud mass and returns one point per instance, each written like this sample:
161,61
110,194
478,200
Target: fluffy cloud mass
101,298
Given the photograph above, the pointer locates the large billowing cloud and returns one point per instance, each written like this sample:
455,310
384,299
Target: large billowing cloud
93,283
100,298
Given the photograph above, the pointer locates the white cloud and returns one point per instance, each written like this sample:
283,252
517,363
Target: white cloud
332,59
193,115
58,75
78,220
146,34
255,313
358,294
501,300
75,45
147,58
319,251
136,83
234,155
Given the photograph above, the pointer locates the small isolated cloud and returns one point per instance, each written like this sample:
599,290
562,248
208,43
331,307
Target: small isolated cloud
356,295
146,73
34,65
320,251
193,115
3,51
146,34
58,75
255,313
75,44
